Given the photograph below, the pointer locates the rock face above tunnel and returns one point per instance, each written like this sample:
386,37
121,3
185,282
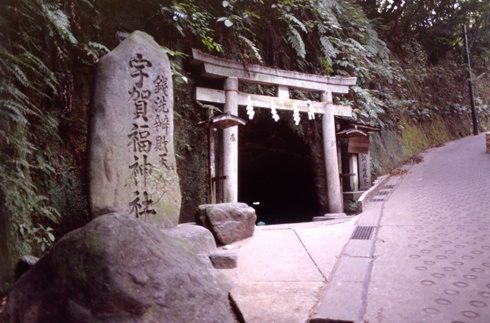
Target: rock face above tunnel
119,269
228,222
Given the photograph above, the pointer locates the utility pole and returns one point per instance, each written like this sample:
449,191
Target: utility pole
470,83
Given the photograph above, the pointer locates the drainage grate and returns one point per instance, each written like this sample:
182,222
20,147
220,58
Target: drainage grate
377,200
389,187
382,193
362,233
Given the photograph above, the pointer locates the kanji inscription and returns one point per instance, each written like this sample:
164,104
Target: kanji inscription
132,160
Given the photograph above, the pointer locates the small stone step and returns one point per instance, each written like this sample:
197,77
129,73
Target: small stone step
224,259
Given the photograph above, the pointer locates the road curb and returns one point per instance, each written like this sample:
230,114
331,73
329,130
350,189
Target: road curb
343,300
367,196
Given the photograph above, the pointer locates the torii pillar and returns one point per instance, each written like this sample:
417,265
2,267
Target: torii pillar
230,143
334,195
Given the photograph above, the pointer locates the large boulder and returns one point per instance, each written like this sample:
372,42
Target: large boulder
120,269
228,222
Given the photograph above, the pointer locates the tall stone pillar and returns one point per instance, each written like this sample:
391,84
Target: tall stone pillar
132,165
334,197
230,144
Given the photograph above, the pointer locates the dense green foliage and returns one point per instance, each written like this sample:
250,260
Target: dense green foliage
407,56
27,126
436,25
38,54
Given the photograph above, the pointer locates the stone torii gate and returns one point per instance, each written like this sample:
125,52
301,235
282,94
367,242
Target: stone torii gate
234,72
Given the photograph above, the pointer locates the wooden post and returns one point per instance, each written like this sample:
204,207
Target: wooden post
487,138
230,143
474,116
334,197
282,92
211,161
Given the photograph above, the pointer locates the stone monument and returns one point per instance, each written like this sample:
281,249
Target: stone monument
132,163
364,172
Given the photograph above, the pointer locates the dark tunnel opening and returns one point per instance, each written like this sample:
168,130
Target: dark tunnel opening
276,171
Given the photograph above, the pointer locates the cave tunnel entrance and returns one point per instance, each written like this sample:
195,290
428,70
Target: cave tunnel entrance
275,170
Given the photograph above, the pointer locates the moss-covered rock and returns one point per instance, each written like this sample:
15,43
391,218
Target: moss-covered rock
118,268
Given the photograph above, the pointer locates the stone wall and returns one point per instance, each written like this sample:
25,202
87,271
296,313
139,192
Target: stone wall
391,147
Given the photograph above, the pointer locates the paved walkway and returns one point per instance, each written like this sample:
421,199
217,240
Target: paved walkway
428,256
283,269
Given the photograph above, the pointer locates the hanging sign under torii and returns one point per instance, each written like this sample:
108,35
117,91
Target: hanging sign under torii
234,72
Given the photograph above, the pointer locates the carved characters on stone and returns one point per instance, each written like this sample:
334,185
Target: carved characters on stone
134,98
364,171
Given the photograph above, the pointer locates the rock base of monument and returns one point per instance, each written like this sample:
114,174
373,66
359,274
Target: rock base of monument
120,269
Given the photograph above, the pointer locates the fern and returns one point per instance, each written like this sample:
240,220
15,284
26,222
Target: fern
252,47
58,20
371,106
356,45
27,91
188,18
15,111
294,38
19,75
296,21
18,95
329,52
36,66
327,5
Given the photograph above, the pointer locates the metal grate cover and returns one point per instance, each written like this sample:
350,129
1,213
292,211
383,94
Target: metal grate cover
362,233
389,187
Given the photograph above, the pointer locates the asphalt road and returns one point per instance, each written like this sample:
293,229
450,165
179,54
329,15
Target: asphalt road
428,257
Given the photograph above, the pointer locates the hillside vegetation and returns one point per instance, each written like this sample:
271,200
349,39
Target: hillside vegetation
408,57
